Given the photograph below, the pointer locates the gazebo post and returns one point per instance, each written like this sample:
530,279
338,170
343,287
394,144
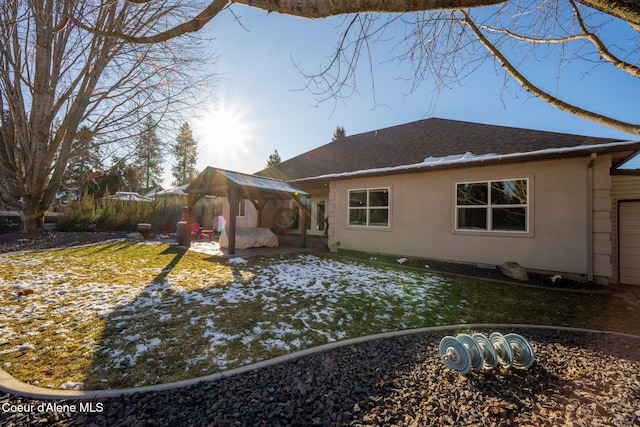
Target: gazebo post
303,225
303,221
233,212
184,237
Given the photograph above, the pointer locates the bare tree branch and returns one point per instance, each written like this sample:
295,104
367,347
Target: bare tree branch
543,95
627,10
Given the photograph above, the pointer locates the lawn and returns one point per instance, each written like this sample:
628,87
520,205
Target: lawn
124,314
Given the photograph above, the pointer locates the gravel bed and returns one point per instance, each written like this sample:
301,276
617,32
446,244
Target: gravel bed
578,379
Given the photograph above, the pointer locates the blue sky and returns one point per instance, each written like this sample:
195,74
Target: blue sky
260,104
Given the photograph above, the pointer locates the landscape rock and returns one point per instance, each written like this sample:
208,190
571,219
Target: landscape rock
514,271
578,378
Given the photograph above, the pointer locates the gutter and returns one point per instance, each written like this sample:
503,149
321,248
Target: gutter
592,161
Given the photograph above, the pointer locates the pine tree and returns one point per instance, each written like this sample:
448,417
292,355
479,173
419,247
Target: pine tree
274,159
185,151
148,155
339,133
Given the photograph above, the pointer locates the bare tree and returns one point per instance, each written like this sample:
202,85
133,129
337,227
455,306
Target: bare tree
446,46
626,10
65,63
447,40
55,77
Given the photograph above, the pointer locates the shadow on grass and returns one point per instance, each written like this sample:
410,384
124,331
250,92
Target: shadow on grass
160,336
135,325
169,333
101,247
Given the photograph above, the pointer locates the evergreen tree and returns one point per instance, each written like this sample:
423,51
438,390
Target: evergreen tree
148,155
185,151
274,159
85,161
339,133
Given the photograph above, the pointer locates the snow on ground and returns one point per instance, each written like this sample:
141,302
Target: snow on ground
280,305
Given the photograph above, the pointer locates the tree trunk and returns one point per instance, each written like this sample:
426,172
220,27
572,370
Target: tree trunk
33,216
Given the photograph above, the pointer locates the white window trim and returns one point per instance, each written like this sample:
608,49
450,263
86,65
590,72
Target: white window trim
528,229
367,226
242,208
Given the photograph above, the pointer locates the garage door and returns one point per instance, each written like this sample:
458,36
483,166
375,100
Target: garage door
629,241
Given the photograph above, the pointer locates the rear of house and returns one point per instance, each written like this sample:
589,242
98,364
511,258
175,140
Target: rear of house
471,193
537,213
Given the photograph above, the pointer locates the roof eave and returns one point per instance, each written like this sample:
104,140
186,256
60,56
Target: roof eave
561,153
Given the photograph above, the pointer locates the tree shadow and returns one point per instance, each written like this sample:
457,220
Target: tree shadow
165,332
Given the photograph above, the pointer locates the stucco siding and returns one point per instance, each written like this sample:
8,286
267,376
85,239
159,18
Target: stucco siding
422,217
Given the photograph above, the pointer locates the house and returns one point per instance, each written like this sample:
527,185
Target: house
475,193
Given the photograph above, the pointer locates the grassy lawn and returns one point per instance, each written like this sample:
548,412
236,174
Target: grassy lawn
126,314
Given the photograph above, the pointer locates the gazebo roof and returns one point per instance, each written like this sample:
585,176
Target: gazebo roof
218,182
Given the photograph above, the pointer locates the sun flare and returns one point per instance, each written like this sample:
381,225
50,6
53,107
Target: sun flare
224,134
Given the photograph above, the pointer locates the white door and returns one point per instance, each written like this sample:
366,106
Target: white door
629,242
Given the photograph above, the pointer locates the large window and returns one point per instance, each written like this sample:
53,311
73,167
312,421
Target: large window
493,205
369,207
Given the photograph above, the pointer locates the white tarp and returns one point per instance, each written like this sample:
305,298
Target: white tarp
250,238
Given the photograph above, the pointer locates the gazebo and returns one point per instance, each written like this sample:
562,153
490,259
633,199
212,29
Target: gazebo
236,186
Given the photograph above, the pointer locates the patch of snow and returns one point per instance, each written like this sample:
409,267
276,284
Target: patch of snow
401,260
209,248
458,158
237,260
21,347
71,386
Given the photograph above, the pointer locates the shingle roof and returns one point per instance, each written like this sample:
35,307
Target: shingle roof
412,143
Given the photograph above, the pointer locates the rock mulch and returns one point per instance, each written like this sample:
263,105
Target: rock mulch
578,379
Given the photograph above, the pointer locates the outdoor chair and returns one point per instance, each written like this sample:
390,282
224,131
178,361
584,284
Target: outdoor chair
195,231
216,227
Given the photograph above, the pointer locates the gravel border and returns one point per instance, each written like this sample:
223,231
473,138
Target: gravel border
579,378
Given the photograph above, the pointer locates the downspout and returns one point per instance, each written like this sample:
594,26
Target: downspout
590,217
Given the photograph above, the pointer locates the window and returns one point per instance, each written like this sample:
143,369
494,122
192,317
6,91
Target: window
369,207
242,208
493,205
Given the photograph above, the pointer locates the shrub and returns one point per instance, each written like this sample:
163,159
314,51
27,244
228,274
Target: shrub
79,214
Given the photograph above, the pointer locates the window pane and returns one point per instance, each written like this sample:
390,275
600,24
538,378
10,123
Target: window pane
357,217
379,197
473,193
509,192
379,217
514,219
472,218
358,198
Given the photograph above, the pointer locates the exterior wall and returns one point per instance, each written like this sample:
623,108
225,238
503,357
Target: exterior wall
602,220
623,187
250,219
422,217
